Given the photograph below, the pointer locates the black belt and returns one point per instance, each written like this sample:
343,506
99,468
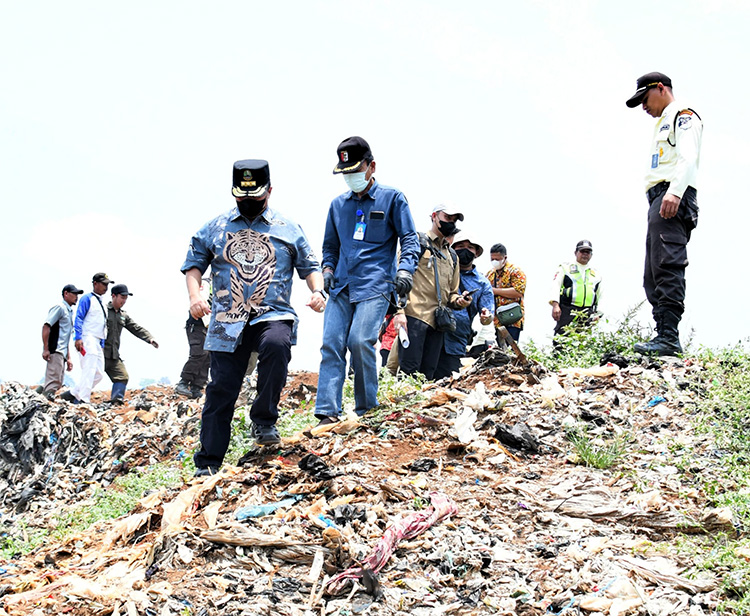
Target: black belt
653,192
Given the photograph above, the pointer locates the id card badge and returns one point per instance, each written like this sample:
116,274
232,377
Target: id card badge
359,230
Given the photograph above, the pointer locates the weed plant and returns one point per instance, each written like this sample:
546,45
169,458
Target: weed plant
584,346
120,498
722,391
601,455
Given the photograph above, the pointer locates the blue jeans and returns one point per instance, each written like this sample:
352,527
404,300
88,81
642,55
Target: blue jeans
354,326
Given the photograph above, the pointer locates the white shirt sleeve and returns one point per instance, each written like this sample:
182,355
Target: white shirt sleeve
688,131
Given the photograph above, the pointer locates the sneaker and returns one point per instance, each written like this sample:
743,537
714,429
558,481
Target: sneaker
183,389
50,395
196,392
266,435
117,401
39,389
206,471
324,421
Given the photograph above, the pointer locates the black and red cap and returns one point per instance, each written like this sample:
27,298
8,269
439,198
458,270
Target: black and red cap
351,153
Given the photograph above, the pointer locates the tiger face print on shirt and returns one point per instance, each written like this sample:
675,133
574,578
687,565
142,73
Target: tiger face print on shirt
254,259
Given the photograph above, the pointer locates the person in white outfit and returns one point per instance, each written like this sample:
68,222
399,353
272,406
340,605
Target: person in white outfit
90,334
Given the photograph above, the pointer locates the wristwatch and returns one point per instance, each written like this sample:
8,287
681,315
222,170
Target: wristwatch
322,292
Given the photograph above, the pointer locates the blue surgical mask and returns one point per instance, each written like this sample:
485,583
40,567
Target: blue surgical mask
356,181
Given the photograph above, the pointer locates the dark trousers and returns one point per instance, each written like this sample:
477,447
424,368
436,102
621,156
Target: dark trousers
384,357
666,253
447,365
425,343
116,370
272,341
568,315
195,370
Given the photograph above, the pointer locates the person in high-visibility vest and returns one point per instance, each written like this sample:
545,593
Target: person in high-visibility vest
577,290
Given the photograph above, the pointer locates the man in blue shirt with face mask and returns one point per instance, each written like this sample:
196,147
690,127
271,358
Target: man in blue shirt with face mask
364,227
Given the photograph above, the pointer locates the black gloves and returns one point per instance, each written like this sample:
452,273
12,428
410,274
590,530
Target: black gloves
404,282
327,280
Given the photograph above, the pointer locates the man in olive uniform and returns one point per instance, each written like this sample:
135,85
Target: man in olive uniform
576,290
117,319
671,190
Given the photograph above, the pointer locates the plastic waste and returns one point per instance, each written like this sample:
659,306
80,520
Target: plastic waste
464,425
257,511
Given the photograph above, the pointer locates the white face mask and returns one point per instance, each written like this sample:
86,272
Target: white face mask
497,264
356,181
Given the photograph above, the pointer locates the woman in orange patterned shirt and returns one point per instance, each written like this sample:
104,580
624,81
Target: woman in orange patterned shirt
508,285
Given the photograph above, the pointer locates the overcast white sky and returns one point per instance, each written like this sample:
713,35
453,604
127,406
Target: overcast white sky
119,124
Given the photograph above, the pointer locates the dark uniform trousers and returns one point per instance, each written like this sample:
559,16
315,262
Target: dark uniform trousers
116,370
666,251
568,314
272,341
425,343
195,370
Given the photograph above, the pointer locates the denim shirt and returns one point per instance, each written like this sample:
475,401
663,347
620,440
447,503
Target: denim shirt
482,297
252,264
368,265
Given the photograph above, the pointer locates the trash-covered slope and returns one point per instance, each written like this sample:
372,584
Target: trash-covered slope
469,501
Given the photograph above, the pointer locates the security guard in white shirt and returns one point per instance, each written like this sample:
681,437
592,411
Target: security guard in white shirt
671,184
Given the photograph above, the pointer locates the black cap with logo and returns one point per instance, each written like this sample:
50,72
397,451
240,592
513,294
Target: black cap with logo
351,153
644,84
584,245
250,178
101,277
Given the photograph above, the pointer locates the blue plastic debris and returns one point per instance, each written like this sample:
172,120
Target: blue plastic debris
258,511
655,400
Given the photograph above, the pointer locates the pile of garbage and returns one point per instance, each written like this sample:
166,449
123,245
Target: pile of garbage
470,501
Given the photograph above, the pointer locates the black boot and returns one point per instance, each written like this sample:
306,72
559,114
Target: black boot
667,342
646,348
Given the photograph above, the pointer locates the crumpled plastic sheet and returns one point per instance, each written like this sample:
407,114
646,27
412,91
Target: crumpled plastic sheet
405,528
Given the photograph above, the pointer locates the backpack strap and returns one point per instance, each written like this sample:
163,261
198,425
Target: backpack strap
674,122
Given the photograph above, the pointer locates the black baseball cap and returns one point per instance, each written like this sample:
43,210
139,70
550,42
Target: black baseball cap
250,178
120,289
101,277
71,288
645,83
351,153
584,245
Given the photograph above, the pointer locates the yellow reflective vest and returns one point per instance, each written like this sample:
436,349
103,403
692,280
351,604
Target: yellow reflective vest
578,285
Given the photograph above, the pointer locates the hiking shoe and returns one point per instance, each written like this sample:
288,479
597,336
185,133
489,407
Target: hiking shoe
265,435
206,471
183,389
196,392
324,421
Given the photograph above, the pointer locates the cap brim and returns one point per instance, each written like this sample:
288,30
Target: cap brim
349,168
637,98
242,194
